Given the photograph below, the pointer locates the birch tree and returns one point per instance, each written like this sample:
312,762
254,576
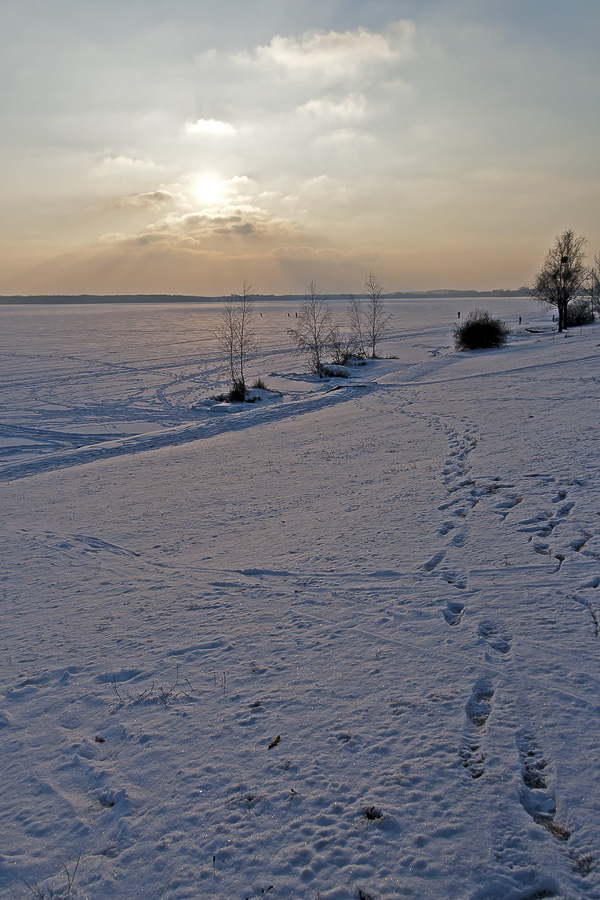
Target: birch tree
315,333
236,336
375,320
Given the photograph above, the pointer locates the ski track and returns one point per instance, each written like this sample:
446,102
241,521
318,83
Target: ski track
234,421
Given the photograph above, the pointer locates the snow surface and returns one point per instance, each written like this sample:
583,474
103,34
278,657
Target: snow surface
339,643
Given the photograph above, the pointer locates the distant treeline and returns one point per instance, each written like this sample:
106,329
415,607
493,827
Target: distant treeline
294,298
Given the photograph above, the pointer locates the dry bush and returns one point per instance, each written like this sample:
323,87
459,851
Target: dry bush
480,331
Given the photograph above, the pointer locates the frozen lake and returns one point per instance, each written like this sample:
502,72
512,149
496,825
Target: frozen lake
73,375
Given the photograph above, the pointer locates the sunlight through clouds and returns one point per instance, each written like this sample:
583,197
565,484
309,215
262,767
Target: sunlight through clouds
208,190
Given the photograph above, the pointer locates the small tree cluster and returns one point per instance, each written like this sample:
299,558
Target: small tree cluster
318,336
480,331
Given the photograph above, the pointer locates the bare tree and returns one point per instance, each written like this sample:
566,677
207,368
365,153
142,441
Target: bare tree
315,333
563,274
356,319
236,336
375,320
592,287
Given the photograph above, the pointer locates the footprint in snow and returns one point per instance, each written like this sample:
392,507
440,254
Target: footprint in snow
455,579
536,798
445,528
564,510
459,539
579,543
453,612
490,634
478,706
532,763
505,506
478,710
435,560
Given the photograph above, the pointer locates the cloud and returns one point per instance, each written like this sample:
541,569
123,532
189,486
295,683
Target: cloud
211,127
350,108
343,138
198,230
334,54
111,164
144,200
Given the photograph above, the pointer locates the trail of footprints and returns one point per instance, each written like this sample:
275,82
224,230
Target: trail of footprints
537,799
479,705
478,709
465,495
539,527
543,526
536,794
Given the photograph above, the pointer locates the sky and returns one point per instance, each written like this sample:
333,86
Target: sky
183,146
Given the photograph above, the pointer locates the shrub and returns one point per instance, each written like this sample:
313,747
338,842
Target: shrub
333,371
480,331
579,312
237,394
342,350
259,385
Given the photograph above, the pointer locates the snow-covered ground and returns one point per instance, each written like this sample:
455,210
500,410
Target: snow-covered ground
335,644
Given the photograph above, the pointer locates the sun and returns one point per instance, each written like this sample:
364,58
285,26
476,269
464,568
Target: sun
209,190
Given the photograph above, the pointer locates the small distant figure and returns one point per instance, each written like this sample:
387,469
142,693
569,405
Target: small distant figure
296,315
458,315
261,315
553,318
519,320
289,317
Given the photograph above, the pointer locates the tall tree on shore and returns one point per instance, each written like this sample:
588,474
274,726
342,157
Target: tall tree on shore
563,274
